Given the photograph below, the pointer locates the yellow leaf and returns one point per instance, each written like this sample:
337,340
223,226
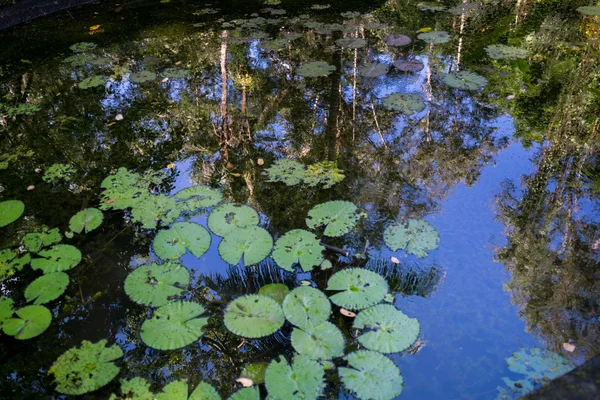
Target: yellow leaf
423,30
236,175
245,382
171,165
111,123
347,313
94,27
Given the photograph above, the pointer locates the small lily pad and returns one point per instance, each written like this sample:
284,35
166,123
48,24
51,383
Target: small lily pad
286,170
60,257
351,43
31,322
373,376
416,237
338,217
303,380
373,70
390,330
408,65
154,285
86,220
322,342
276,291
172,243
404,103
357,288
298,247
10,211
175,73
34,241
504,52
306,307
253,316
47,288
465,80
174,325
315,68
86,368
253,243
198,197
142,76
434,37
397,40
228,217
249,393
92,81
10,263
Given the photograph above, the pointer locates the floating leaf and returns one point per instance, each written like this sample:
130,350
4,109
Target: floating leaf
151,209
85,369
416,237
197,197
391,331
142,76
253,243
326,264
255,372
32,321
122,190
372,70
322,342
315,68
306,306
404,103
408,65
351,43
10,211
325,173
82,47
92,81
276,291
176,390
174,325
589,10
78,60
60,257
286,170
175,73
434,37
204,391
430,7
303,380
228,217
338,217
253,316
249,393
6,309
58,172
358,288
350,14
10,263
135,388
47,287
397,40
372,376
504,52
86,220
153,285
465,80
298,247
464,8
34,242
172,243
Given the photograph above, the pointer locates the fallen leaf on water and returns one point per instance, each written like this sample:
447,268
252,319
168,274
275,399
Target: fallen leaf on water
236,174
394,260
260,161
111,123
110,201
171,165
155,102
30,187
230,165
38,170
165,80
245,382
306,283
347,313
119,117
178,63
569,347
118,9
94,27
423,30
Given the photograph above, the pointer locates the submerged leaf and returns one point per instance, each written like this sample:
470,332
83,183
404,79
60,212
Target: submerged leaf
86,220
372,376
228,217
391,331
253,243
60,257
172,243
276,291
10,211
465,80
416,237
321,342
338,217
253,316
405,103
174,325
303,380
32,321
298,247
154,285
10,263
47,287
357,288
85,369
315,69
306,306
82,47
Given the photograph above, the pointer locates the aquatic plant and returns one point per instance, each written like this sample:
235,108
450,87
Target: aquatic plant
139,389
86,220
405,103
320,342
357,288
22,109
292,173
320,6
372,70
371,376
60,257
253,316
315,69
255,372
302,380
589,10
10,211
174,325
415,237
197,197
47,288
142,76
408,65
249,393
350,14
85,368
10,263
82,47
228,217
31,322
434,37
504,52
298,247
430,7
58,172
175,73
306,307
465,80
78,60
92,81
351,43
155,285
276,291
338,217
389,329
397,40
172,243
253,243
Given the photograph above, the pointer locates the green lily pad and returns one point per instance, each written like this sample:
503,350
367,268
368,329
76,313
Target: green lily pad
286,170
253,243
142,76
176,390
357,288
253,316
404,103
465,80
408,65
92,81
82,47
60,257
58,172
351,43
149,210
228,217
434,37
315,69
122,190
276,291
86,220
174,325
78,60
172,243
139,389
298,247
249,393
397,40
6,309
198,197
322,342
204,391
303,380
373,376
373,70
153,285
338,217
306,307
34,241
47,288
416,237
135,388
175,73
504,52
32,321
325,172
589,10
86,368
255,372
10,263
390,330
10,211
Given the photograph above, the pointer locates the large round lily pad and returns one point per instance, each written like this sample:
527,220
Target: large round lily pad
315,68
31,322
372,376
10,211
404,103
86,220
416,236
465,80
10,263
154,285
228,217
172,243
322,342
47,287
254,316
298,247
373,70
408,65
504,52
338,217
60,257
254,244
434,37
306,307
86,368
357,288
303,380
397,40
351,43
390,330
276,291
174,325
197,197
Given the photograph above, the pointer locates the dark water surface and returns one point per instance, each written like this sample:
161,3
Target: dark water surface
506,172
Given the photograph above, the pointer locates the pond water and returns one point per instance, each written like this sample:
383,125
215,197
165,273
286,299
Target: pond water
462,140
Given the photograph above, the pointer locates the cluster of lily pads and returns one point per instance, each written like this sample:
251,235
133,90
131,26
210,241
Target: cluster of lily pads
292,173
